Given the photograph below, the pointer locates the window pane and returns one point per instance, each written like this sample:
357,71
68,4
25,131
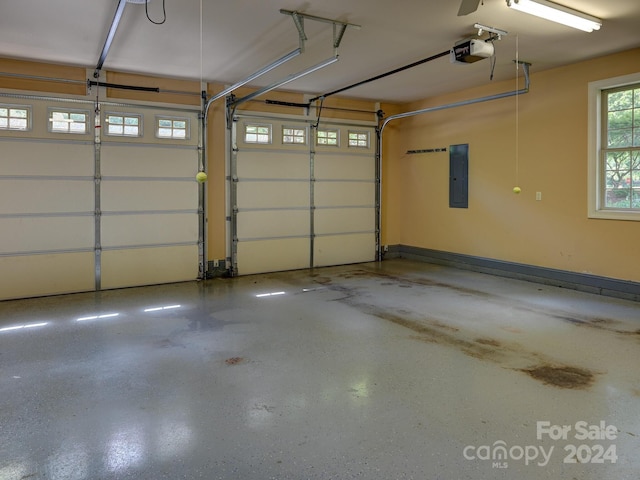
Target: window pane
4,122
263,130
131,121
263,138
18,123
179,124
620,100
179,134
114,129
77,127
251,129
164,123
131,130
115,120
60,116
620,138
621,119
18,113
60,126
78,117
164,132
4,112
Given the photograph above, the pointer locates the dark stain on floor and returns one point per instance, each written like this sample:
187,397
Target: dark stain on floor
488,341
234,360
563,377
166,343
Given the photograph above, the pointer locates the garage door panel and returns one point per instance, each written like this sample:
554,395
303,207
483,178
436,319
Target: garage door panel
148,266
344,167
38,234
344,249
252,195
338,220
272,165
36,158
45,196
147,162
273,223
50,274
336,194
149,229
273,255
138,196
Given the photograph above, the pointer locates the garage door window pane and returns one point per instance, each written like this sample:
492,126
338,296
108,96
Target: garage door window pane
297,136
15,118
124,125
254,133
68,121
327,137
177,128
359,139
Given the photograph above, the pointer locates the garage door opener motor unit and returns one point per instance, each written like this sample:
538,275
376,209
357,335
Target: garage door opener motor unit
471,51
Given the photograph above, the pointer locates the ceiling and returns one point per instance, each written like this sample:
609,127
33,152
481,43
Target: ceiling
239,37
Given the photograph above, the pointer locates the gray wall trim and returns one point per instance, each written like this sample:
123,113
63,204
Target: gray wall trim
583,282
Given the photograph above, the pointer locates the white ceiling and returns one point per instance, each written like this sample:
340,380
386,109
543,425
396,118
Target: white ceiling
241,36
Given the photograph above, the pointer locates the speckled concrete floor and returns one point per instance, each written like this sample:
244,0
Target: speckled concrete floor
397,370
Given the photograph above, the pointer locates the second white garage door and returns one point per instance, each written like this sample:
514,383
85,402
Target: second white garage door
301,195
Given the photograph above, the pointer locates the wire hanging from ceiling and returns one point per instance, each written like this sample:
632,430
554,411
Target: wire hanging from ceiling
164,13
517,118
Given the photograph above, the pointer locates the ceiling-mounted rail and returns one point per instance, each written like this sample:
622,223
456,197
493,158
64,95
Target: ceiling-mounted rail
382,75
287,79
112,32
251,77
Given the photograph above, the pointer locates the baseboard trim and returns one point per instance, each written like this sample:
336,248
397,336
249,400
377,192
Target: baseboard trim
583,282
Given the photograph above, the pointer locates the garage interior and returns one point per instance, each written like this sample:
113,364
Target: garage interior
348,240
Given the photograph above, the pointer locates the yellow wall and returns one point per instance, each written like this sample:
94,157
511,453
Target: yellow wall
552,159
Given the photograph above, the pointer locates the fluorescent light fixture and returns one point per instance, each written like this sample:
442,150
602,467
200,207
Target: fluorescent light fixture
557,13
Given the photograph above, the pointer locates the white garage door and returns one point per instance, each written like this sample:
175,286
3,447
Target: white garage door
302,195
77,217
148,197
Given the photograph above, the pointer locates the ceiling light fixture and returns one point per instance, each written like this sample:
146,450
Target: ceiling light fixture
557,13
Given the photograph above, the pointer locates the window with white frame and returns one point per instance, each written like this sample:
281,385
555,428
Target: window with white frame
614,156
15,117
291,135
327,137
257,133
123,125
68,121
172,127
358,139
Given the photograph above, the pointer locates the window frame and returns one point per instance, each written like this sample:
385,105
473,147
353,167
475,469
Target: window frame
9,107
305,135
157,127
327,130
253,124
70,111
124,115
597,147
359,132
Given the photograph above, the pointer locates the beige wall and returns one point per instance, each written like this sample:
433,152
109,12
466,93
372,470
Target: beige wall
552,159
